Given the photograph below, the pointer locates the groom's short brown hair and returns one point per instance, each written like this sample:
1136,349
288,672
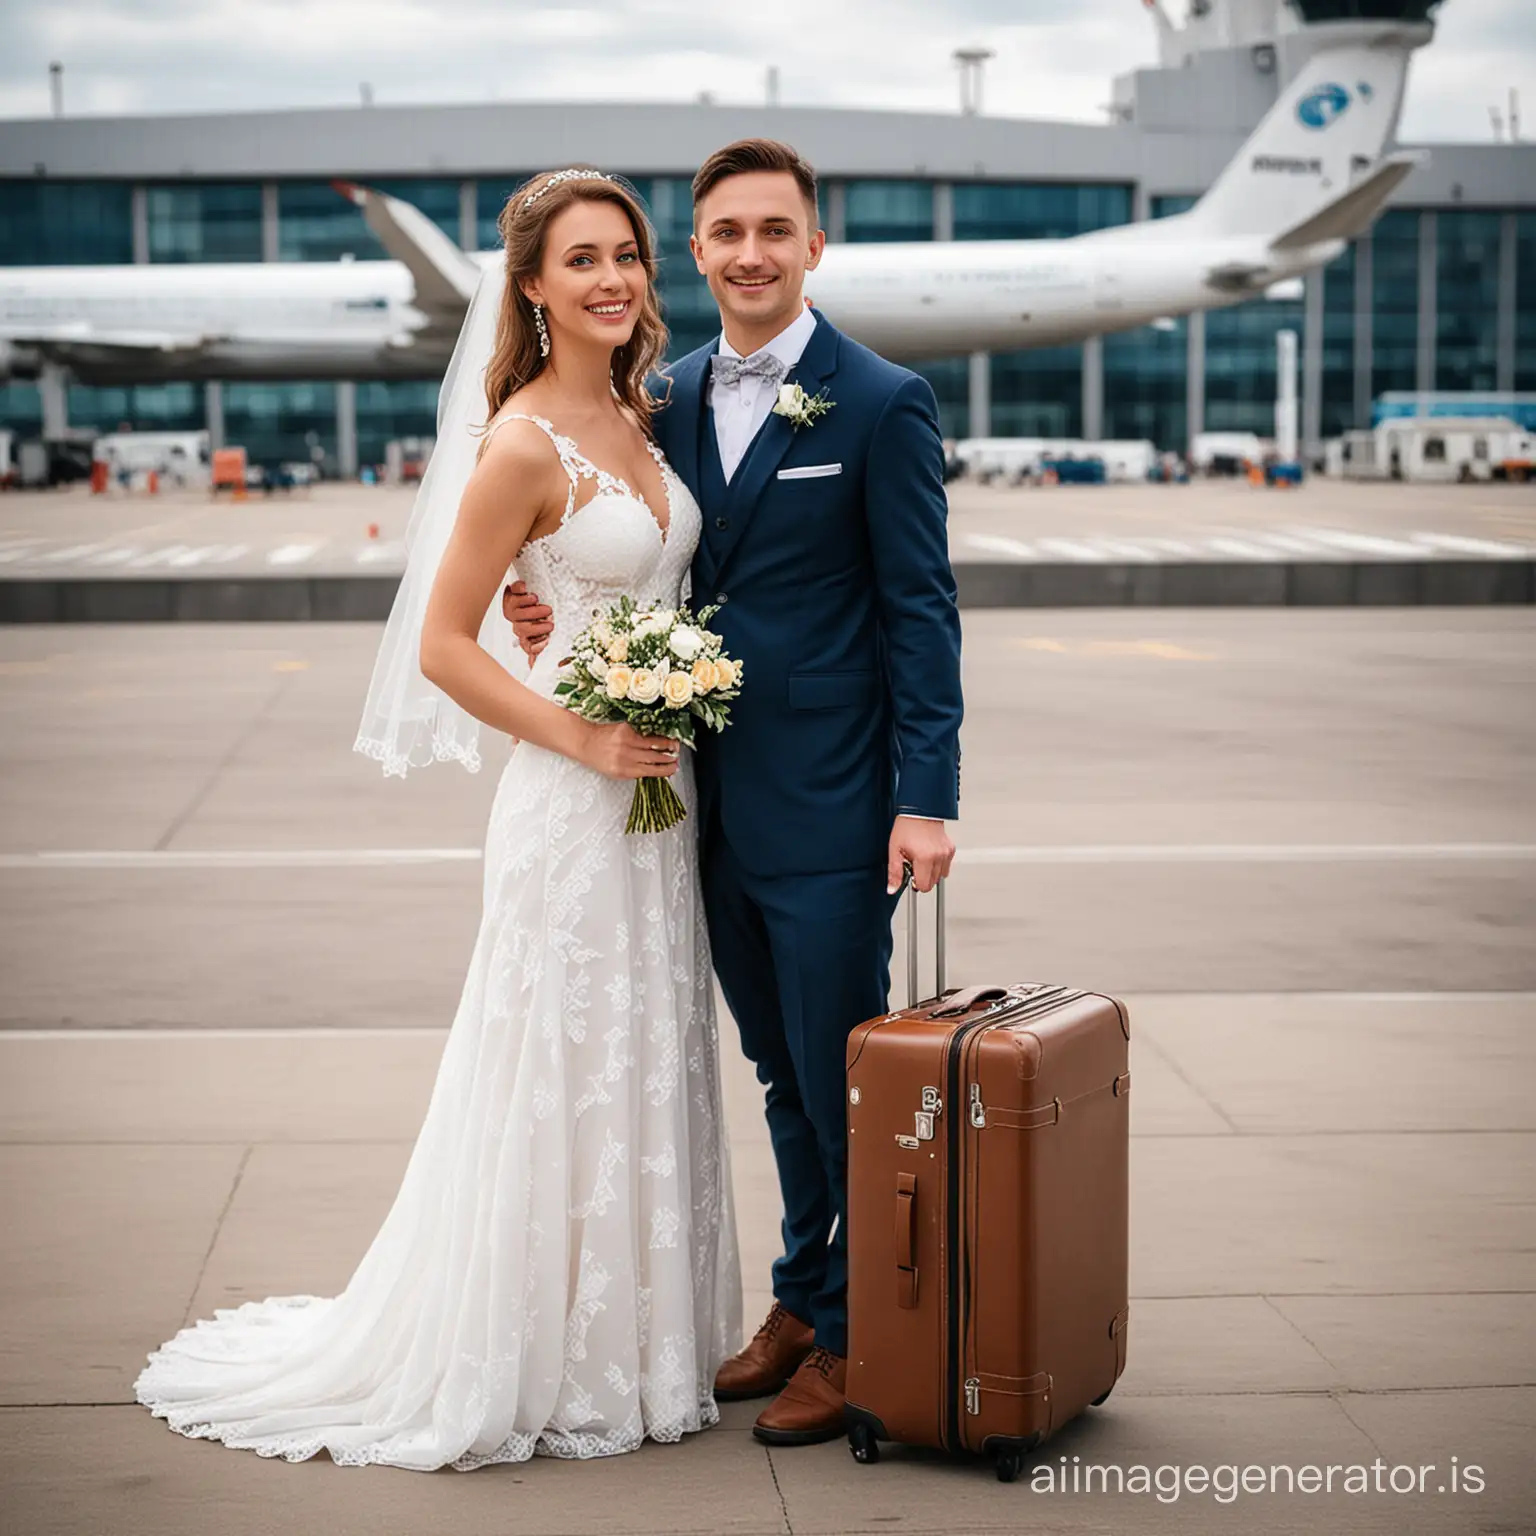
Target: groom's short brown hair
747,155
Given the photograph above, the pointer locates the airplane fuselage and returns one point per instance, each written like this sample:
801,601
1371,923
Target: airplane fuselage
356,319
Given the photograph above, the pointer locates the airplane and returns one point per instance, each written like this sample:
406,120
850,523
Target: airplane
1311,177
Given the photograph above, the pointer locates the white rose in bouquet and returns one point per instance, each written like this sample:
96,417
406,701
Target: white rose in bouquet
686,642
644,686
616,684
678,689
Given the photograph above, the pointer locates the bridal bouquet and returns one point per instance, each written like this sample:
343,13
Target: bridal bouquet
660,671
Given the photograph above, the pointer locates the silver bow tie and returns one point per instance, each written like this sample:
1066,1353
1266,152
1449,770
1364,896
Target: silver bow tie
762,365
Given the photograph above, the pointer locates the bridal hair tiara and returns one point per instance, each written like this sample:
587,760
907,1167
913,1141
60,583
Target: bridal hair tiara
575,174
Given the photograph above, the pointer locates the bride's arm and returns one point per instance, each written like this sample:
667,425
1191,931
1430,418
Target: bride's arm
518,486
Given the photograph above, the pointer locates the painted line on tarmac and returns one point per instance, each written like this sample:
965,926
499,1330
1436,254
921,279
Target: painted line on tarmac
1245,853
1043,854
220,858
437,1031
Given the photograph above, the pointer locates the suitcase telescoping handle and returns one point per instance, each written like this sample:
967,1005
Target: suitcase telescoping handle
938,940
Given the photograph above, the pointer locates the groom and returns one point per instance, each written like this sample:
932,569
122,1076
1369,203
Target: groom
825,545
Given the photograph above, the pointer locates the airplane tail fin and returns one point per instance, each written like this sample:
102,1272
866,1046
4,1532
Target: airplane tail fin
1327,131
445,277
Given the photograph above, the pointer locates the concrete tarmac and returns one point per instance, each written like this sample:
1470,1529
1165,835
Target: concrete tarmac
1301,846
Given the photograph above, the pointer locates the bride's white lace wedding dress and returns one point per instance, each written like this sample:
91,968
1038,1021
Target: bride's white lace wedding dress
558,1274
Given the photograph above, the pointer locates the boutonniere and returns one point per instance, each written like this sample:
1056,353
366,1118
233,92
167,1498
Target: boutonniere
799,408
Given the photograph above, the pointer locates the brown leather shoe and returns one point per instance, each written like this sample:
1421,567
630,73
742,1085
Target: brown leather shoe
810,1409
767,1363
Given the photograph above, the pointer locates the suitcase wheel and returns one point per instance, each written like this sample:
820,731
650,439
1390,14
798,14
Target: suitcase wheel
862,1442
1010,1462
1103,1396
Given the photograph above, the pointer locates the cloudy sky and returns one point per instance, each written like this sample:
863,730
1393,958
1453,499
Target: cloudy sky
1055,58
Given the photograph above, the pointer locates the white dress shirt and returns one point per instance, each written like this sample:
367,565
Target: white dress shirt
742,408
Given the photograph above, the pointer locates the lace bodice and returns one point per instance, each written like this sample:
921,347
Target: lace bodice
609,546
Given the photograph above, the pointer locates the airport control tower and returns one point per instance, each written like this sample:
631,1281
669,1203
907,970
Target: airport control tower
1222,63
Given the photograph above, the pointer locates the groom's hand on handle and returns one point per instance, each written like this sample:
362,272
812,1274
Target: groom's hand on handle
531,620
923,844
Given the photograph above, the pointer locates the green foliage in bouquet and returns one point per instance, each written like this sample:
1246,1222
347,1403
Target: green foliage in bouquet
660,671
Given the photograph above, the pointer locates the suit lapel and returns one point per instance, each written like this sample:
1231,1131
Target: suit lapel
817,365
687,400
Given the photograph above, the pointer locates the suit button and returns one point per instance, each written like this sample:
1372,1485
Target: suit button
720,597
722,523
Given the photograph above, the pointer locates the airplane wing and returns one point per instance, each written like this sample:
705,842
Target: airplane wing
1239,276
1352,212
444,276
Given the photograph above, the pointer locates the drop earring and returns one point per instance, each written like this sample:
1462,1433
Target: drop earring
538,320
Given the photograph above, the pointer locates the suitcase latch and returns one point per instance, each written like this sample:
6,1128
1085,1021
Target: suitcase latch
933,1107
978,1109
973,1395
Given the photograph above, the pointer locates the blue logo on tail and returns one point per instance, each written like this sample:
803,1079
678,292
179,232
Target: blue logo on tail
1321,107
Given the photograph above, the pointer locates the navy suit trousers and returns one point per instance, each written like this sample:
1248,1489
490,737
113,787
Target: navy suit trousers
802,960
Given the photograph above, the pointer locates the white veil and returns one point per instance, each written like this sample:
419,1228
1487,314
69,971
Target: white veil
407,721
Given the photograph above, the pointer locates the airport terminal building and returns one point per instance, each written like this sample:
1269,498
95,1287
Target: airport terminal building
1440,296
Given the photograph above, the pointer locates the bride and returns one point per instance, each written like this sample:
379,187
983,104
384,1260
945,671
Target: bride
558,1274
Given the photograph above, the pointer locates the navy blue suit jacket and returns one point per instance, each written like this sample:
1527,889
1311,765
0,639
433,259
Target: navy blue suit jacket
839,599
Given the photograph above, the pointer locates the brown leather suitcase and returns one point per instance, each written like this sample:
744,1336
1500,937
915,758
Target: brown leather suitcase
988,1153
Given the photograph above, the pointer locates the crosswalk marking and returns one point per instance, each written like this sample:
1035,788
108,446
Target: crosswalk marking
1001,546
1228,543
1289,543
210,554
1462,545
293,554
377,554
69,552
1241,548
1073,549
1364,543
1125,549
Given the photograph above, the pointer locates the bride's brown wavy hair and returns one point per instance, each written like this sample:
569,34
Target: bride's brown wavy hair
515,361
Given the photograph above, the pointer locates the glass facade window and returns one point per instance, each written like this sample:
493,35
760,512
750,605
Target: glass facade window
21,407
1466,299
887,211
65,223
951,380
1036,210
393,408
1145,394
1525,302
686,302
1395,301
282,423
316,223
1240,363
174,407
491,194
1038,393
204,222
1365,10
1338,383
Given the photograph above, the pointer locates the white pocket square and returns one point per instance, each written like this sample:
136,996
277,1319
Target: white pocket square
810,471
